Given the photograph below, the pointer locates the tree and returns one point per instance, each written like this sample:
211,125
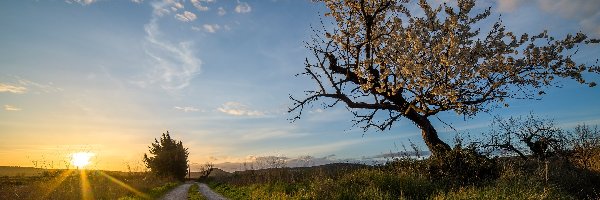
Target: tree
205,170
529,135
385,63
170,158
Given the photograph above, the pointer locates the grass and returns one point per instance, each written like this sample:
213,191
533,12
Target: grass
462,173
194,193
88,184
409,179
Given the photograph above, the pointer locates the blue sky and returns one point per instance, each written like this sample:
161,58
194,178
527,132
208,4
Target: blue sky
108,76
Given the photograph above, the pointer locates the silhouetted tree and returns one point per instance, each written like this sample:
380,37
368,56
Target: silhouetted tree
385,63
528,135
205,170
170,158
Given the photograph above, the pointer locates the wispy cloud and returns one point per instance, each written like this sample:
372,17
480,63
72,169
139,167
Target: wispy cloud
137,1
165,7
242,7
211,28
176,5
221,11
11,108
186,16
82,2
199,6
187,109
508,5
46,88
238,109
173,65
584,11
4,87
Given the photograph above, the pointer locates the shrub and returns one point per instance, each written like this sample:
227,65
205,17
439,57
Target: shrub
462,166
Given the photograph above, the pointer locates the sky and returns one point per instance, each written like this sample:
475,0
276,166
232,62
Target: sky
109,76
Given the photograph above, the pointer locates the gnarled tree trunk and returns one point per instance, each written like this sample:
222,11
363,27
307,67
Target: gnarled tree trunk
429,134
431,138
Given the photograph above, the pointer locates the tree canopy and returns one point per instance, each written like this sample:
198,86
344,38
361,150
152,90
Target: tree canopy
170,157
386,63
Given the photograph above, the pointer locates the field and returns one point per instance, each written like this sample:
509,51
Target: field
512,178
33,183
401,178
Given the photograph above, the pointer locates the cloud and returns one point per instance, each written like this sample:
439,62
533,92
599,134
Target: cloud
199,6
186,16
165,7
221,11
137,1
11,108
82,2
211,28
24,85
238,109
187,109
585,12
508,5
12,88
173,65
46,88
242,7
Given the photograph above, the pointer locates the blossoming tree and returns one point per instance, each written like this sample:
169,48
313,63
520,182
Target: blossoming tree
385,63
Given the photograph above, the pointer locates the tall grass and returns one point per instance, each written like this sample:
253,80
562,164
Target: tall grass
509,178
387,183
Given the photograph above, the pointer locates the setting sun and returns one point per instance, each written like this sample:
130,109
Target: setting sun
81,159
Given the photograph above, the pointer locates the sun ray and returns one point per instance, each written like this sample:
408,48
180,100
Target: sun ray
86,190
56,181
124,185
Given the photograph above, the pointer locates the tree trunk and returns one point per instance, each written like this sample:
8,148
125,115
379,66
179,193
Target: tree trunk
431,138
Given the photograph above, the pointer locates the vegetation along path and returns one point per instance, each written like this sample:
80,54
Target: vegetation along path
180,192
208,193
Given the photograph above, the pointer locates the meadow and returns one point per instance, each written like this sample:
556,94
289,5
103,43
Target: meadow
34,183
460,175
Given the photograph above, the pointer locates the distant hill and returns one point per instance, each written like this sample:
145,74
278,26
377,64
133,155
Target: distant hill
20,171
216,172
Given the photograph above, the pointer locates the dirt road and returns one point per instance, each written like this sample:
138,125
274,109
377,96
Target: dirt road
180,192
208,193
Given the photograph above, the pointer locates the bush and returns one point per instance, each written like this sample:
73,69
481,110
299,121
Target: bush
462,166
585,143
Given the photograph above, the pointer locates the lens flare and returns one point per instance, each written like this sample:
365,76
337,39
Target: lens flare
81,159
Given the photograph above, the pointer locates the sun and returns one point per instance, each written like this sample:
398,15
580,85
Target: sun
81,159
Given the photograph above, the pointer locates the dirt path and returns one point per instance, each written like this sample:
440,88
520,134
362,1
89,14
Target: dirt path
209,194
179,193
